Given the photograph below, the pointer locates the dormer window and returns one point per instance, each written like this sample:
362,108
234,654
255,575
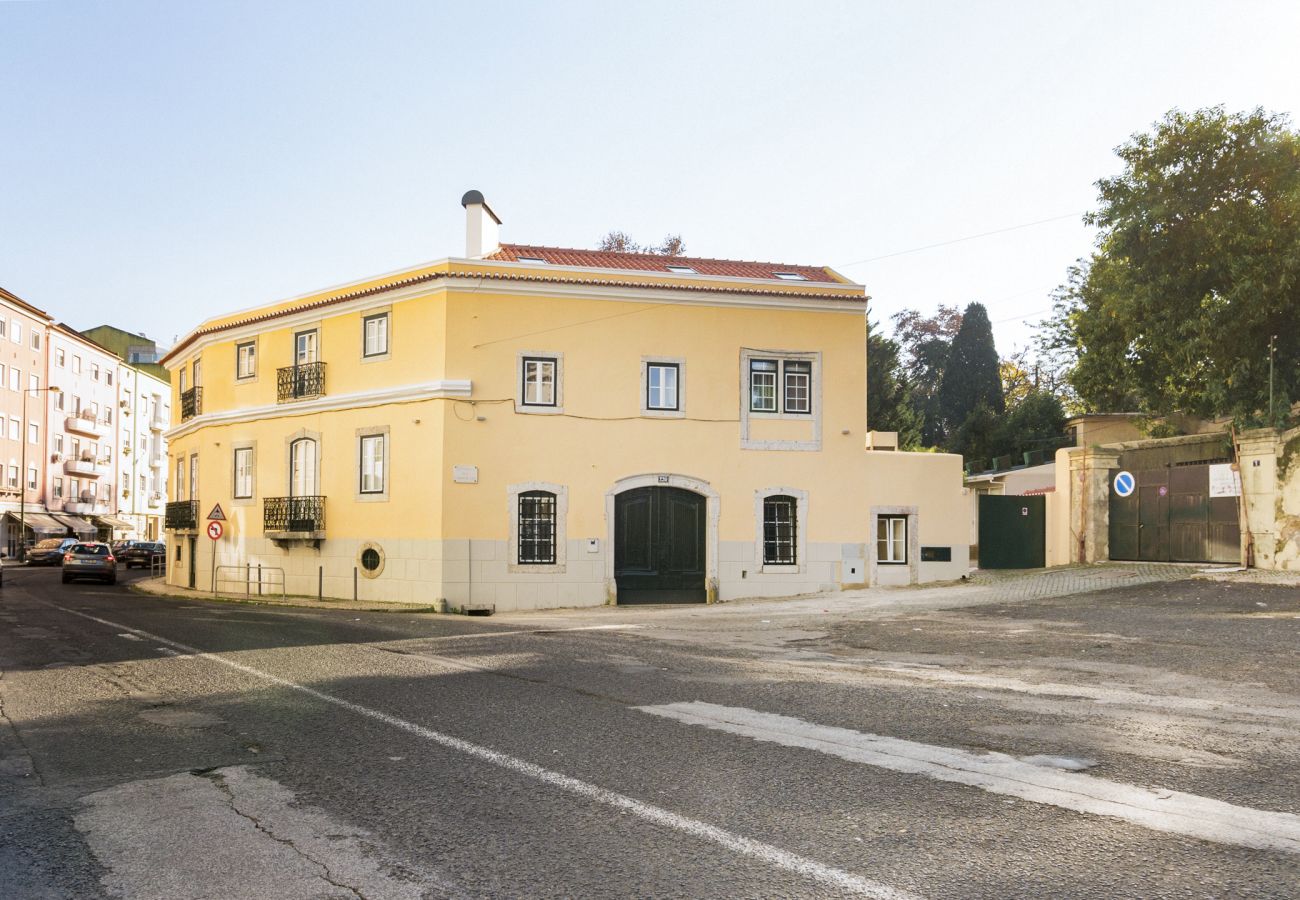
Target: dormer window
789,276
682,270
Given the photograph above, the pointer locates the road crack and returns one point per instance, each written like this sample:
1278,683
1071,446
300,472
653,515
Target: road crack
219,779
18,736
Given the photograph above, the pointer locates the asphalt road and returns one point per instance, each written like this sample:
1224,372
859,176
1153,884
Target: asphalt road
1143,741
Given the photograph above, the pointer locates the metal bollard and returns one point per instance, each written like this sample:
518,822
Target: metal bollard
320,582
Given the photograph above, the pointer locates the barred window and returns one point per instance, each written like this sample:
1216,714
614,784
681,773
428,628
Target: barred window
780,530
537,528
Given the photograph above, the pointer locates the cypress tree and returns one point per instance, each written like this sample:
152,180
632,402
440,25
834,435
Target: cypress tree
971,377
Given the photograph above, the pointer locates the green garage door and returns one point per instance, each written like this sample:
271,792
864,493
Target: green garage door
1013,532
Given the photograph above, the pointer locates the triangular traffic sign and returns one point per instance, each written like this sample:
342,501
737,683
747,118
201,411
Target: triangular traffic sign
217,515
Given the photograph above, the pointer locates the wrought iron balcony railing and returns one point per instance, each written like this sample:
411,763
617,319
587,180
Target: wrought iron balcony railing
191,403
181,515
300,382
293,515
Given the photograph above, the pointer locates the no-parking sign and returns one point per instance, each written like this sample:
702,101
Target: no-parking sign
1124,484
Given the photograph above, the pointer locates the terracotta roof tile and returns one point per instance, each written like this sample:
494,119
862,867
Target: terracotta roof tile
654,262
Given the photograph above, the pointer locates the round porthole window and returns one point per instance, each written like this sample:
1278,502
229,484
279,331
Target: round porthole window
371,559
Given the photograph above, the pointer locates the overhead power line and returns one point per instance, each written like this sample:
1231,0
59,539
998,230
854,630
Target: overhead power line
960,240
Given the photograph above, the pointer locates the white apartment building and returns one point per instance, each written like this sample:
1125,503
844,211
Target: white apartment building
144,403
82,465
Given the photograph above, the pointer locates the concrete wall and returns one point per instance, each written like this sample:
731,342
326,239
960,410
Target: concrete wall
1270,481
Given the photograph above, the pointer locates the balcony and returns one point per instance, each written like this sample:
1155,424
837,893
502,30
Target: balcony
302,382
155,500
159,420
84,423
294,518
157,460
181,515
87,505
86,468
191,403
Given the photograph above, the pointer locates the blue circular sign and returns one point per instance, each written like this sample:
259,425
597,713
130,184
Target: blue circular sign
1125,483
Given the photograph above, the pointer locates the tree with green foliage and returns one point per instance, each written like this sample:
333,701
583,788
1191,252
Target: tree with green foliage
925,341
971,376
889,400
1196,268
617,241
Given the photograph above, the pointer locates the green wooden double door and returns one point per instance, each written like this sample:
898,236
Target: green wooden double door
659,554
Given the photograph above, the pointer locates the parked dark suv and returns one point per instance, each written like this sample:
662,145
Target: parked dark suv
49,552
90,560
142,554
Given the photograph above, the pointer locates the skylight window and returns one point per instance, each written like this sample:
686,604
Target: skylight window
789,276
682,270
530,259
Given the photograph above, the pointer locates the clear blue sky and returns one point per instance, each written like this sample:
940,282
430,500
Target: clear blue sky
162,162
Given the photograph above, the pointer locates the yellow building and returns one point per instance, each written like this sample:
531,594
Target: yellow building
531,427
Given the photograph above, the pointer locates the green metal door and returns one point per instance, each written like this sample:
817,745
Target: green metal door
1013,532
659,537
1171,517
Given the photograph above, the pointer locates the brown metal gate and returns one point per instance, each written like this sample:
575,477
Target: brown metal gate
1171,517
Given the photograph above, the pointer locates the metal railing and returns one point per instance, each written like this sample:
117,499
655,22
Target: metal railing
191,403
293,514
253,578
181,514
300,382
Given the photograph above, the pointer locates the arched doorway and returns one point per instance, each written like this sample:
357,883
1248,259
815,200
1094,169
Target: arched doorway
660,545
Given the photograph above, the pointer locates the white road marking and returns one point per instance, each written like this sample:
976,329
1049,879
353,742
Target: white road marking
1107,695
739,844
131,637
997,773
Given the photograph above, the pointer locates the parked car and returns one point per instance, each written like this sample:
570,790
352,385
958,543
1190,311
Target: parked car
143,554
49,552
91,559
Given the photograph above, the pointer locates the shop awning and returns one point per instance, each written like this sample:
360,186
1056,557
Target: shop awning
115,523
40,523
76,523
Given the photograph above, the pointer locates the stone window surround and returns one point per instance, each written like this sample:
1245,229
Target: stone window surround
257,361
561,493
913,542
534,410
381,496
646,409
386,310
713,513
814,419
288,459
251,499
800,531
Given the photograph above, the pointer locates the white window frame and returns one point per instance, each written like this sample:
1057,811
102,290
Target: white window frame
376,316
560,566
749,416
76,364
250,476
251,374
912,565
16,332
891,524
363,435
522,360
660,412
61,358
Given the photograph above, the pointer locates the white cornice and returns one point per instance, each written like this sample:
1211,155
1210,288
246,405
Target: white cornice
839,304
407,393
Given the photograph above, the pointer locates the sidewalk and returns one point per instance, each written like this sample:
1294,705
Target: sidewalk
156,587
982,587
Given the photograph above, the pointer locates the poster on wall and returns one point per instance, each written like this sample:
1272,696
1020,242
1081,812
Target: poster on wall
1224,481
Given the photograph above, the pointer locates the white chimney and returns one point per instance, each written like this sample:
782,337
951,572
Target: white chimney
482,227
